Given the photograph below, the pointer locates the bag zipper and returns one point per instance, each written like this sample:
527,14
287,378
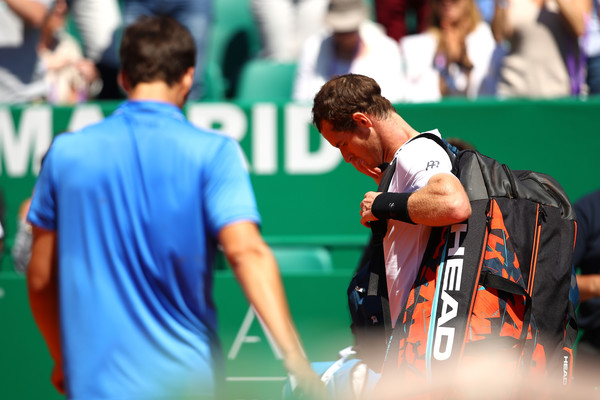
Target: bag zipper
511,179
541,216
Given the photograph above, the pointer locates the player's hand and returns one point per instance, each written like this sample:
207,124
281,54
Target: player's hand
308,384
366,215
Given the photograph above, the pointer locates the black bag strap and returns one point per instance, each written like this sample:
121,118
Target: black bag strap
377,278
379,230
499,283
386,179
450,149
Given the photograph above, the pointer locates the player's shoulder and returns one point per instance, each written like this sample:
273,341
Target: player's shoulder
419,148
107,124
205,137
423,141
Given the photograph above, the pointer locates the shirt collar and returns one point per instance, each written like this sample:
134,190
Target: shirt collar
151,106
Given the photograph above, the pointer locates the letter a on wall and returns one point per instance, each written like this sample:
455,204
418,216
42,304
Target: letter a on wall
242,336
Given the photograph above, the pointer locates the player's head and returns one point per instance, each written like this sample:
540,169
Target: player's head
156,49
344,111
342,96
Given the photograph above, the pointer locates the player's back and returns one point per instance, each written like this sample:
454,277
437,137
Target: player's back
140,202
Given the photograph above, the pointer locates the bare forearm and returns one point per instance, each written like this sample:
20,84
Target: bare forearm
439,203
589,286
500,23
31,12
259,276
44,307
42,288
257,271
573,12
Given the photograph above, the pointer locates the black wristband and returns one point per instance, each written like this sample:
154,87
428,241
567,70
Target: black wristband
390,205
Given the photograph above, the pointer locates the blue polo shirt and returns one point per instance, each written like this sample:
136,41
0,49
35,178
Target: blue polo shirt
137,201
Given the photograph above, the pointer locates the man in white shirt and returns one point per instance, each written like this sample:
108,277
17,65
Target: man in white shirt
354,117
351,43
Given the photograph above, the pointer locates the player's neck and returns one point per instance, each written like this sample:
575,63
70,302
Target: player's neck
159,91
394,133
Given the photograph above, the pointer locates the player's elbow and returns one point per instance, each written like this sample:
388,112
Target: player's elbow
38,279
457,205
459,208
251,253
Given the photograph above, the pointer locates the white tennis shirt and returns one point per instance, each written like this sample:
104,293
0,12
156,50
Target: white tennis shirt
404,244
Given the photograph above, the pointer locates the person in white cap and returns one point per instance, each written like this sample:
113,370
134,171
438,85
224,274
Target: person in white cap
351,43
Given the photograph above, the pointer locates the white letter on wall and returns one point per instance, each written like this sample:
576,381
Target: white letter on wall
264,139
35,133
298,157
243,337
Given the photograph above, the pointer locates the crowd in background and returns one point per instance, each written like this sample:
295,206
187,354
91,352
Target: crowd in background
65,51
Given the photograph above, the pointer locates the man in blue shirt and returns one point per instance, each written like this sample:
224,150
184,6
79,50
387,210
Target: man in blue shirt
126,218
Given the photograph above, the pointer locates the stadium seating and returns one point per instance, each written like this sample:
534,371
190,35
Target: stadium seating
302,259
265,80
234,40
214,82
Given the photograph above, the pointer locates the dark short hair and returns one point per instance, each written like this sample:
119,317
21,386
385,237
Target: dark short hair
156,48
344,95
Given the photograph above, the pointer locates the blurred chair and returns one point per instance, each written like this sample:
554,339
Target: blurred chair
214,82
302,259
234,39
266,80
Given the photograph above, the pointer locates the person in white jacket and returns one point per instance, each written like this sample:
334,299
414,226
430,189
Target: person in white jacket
352,43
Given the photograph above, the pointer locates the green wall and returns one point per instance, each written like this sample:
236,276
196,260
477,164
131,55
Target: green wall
313,202
558,137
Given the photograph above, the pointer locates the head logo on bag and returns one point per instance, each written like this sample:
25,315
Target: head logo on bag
444,334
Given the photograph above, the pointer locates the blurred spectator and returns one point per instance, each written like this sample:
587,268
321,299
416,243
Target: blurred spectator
586,259
351,44
393,15
21,249
21,78
285,24
98,23
70,77
544,59
592,49
195,15
452,58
